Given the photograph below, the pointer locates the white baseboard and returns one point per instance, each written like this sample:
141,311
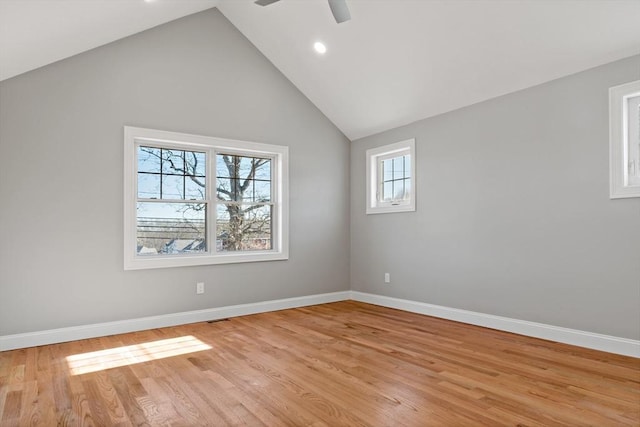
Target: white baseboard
591,340
52,336
611,344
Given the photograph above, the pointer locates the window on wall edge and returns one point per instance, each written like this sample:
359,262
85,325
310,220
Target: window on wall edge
391,181
624,140
198,200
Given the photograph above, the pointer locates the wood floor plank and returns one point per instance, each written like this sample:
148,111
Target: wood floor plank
131,393
338,364
80,411
158,409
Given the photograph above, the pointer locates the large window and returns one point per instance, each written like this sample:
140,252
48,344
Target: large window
391,178
624,123
193,200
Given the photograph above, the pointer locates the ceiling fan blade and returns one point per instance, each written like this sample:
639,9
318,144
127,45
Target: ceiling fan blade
340,10
265,2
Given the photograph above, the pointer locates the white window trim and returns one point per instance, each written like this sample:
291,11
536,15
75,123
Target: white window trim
624,172
373,156
133,136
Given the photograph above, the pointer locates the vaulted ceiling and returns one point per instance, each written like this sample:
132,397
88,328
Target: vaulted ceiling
394,62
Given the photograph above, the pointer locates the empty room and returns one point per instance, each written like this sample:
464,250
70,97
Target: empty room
319,213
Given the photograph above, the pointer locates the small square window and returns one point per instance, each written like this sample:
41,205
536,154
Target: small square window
391,178
624,140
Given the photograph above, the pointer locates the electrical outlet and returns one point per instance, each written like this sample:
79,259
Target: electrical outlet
387,278
200,288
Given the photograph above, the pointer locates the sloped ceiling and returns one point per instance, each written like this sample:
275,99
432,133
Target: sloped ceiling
34,33
394,62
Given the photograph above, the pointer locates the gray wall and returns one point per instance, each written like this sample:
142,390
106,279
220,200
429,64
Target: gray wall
513,211
61,176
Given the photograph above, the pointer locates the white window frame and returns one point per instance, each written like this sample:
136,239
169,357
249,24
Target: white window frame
374,158
134,137
624,155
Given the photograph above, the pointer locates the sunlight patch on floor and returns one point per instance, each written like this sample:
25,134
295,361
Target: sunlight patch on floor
94,361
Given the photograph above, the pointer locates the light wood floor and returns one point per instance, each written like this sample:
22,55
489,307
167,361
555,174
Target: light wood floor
344,363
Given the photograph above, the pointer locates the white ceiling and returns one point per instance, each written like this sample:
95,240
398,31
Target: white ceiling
34,33
395,62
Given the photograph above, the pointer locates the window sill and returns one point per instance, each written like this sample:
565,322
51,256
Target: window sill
158,261
391,209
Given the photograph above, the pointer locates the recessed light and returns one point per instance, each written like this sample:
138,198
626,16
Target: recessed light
320,47
149,1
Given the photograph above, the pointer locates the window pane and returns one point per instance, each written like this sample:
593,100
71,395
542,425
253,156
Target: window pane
398,167
148,186
247,192
173,161
387,170
243,227
246,164
387,193
196,163
263,170
398,189
195,188
172,187
407,166
262,191
222,167
170,228
223,189
148,159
